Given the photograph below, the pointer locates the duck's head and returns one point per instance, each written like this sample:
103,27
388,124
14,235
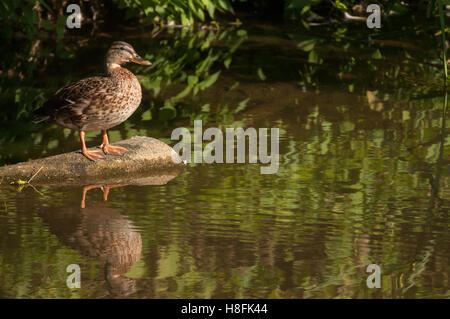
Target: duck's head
121,52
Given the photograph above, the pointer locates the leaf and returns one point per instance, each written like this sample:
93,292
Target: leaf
307,45
206,44
197,11
147,115
224,4
202,66
183,93
19,182
346,126
241,33
200,14
168,112
192,80
313,57
206,108
227,62
159,9
242,105
60,27
235,85
209,81
45,5
377,55
261,74
211,9
341,6
184,19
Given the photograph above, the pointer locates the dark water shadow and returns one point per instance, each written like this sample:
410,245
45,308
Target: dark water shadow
102,233
435,181
427,244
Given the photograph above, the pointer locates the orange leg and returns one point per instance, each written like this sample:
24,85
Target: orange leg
105,189
92,155
85,190
109,149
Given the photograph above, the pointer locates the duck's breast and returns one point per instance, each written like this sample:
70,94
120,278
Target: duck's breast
120,102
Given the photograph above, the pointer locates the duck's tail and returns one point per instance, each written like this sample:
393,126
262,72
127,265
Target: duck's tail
41,114
40,118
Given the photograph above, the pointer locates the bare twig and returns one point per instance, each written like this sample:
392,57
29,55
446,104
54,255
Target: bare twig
35,174
35,189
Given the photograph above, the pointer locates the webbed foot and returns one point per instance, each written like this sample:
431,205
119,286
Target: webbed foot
93,155
114,150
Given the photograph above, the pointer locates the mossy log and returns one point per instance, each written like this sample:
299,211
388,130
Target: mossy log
147,162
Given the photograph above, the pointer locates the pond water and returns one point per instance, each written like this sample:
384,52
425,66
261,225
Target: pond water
363,176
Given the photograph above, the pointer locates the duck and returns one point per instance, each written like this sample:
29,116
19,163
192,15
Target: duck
98,103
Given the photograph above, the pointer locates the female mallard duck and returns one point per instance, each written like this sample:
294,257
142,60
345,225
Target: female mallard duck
98,103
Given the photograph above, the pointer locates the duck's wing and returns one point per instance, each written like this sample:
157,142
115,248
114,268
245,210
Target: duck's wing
75,99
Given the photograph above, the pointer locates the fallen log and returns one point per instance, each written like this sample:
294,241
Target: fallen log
147,161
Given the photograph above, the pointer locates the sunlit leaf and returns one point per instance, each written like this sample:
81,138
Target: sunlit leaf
192,79
261,74
209,81
307,45
147,115
227,62
377,54
183,93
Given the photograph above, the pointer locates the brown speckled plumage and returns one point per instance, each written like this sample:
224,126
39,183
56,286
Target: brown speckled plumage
98,103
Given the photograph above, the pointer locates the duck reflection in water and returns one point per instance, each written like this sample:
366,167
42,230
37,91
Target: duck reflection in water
102,233
105,189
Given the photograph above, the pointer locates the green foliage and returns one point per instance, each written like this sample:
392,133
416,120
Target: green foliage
297,8
167,12
193,59
444,47
18,15
30,19
24,24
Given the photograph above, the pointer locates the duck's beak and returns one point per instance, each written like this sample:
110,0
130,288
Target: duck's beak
137,59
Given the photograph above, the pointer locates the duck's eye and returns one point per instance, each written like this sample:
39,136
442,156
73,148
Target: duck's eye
122,48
